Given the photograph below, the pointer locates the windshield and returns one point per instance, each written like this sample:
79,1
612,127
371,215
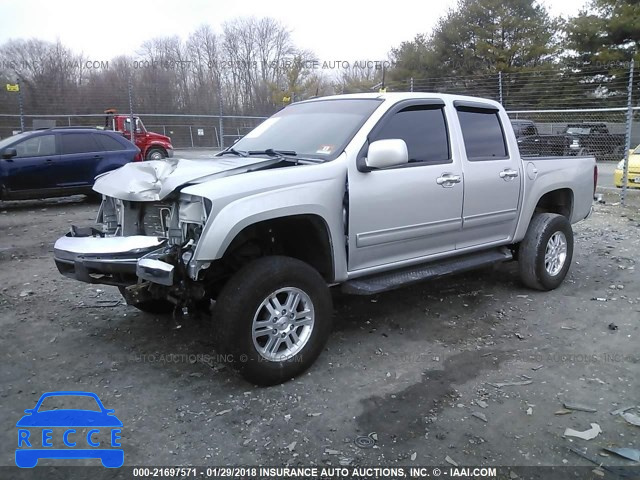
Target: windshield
9,140
67,402
578,130
319,129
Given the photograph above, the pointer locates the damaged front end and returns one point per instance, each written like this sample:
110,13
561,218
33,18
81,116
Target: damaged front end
143,247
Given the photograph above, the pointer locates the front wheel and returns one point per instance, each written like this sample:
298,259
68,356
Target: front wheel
156,154
273,317
545,254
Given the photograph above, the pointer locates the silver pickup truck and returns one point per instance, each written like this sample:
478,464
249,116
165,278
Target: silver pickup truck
364,192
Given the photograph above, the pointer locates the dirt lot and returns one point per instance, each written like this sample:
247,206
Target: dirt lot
410,367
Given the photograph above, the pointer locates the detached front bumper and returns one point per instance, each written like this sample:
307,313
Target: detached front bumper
112,260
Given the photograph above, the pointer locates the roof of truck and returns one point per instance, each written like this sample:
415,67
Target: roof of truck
398,96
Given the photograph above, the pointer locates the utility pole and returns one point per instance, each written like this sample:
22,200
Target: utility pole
625,171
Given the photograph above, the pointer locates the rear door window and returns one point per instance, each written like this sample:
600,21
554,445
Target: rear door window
108,143
483,134
78,143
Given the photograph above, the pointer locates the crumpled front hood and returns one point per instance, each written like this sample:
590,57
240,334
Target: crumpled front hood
154,180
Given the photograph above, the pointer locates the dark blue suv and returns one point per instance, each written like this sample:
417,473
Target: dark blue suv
59,161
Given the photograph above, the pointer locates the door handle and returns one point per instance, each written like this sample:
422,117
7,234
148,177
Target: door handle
447,180
508,173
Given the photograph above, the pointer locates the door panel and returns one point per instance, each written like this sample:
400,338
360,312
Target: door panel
30,169
79,155
408,216
411,211
492,179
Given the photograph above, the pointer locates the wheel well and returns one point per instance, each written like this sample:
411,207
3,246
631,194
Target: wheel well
305,237
558,201
155,147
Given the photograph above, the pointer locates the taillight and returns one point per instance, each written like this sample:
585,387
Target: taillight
595,178
137,157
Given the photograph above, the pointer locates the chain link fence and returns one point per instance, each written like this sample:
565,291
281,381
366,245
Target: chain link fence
185,131
597,132
555,111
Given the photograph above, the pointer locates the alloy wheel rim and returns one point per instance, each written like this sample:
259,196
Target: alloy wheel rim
555,254
282,324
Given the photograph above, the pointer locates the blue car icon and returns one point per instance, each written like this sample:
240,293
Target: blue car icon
34,445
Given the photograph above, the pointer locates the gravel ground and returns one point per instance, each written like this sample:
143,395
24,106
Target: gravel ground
417,370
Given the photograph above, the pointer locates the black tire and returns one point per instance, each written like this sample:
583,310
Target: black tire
531,252
156,154
94,197
156,307
242,299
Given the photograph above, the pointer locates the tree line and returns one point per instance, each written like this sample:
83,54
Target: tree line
252,66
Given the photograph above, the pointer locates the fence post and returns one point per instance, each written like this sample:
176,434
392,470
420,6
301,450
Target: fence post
131,119
191,135
220,120
625,171
411,88
20,105
500,86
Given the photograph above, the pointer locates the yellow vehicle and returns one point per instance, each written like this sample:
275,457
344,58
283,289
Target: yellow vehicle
634,170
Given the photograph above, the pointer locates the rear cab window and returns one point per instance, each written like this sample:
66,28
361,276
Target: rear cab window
482,131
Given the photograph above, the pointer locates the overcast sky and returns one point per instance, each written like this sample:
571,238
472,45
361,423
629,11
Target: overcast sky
333,29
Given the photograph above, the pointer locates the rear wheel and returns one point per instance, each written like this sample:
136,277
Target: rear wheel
273,317
545,254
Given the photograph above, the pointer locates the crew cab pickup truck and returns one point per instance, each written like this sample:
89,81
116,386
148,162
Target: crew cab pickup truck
364,192
595,139
532,144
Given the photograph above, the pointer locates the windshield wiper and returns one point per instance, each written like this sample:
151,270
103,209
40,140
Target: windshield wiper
289,155
273,153
233,151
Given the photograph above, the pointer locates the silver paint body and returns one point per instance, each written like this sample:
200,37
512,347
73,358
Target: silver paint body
397,216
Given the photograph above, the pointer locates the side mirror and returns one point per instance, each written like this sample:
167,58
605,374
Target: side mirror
9,153
387,153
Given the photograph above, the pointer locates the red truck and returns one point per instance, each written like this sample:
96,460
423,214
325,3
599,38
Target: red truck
153,146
